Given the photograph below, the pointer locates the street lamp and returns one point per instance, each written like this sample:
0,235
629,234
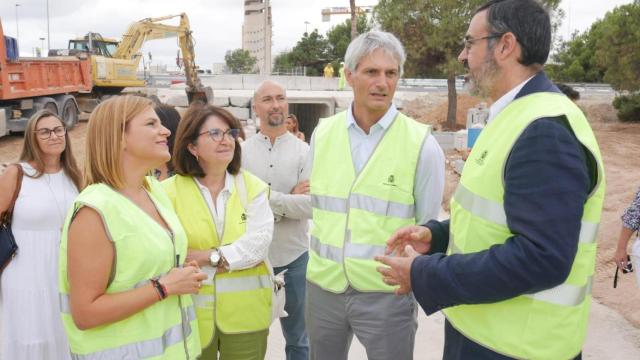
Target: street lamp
306,23
42,44
48,35
17,28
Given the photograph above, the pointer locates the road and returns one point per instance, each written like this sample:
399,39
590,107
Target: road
609,337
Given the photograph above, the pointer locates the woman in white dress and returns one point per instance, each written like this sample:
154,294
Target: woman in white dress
31,324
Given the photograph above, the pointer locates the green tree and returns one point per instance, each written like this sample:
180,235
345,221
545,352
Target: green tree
311,51
431,31
339,37
240,61
617,47
575,60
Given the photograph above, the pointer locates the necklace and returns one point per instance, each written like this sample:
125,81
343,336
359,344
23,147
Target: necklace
59,206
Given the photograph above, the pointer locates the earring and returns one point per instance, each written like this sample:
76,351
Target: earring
196,155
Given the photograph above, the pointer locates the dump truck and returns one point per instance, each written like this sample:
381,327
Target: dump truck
79,77
31,84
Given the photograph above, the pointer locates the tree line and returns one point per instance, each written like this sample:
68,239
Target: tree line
432,30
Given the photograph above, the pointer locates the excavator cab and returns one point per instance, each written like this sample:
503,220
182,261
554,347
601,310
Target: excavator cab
94,44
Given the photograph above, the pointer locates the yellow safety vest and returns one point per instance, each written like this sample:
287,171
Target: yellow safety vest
143,250
354,214
549,324
237,301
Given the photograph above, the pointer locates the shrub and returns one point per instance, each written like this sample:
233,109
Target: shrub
628,107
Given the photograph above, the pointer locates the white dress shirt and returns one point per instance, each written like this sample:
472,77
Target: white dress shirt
253,246
282,165
505,100
429,178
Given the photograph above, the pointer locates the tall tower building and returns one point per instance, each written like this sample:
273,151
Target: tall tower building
256,33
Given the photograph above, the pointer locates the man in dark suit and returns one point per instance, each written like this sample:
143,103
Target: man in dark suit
512,269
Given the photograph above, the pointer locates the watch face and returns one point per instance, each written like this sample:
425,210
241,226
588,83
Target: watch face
215,258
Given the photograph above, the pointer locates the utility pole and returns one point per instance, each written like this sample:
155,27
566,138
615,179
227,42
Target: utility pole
17,27
306,23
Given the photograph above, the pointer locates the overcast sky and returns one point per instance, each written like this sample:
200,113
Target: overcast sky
216,24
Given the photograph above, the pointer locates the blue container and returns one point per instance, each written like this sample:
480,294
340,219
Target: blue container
472,136
12,48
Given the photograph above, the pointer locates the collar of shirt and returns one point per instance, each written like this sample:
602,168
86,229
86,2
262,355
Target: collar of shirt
383,123
280,138
507,98
226,190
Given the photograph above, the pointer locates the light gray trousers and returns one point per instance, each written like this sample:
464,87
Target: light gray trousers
384,323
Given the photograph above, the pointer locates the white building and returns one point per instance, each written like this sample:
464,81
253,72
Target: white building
256,33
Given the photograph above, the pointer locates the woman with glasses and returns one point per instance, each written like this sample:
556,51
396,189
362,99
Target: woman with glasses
30,307
225,212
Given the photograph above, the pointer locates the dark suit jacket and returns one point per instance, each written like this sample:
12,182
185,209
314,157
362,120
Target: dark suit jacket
545,216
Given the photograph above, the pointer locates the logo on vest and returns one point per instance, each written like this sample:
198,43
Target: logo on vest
480,160
243,218
390,181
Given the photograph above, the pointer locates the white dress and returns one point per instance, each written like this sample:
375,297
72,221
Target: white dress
31,323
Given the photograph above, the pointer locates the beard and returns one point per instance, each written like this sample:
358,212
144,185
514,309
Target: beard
480,83
275,119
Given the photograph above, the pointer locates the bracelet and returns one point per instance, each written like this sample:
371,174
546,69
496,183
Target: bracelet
164,289
157,292
159,288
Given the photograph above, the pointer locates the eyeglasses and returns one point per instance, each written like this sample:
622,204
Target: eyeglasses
45,133
217,134
467,42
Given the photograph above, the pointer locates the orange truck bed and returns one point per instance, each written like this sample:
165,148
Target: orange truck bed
30,84
31,77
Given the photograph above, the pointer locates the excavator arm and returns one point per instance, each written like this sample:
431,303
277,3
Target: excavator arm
151,29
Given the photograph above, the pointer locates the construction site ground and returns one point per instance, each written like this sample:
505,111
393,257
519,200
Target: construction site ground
614,330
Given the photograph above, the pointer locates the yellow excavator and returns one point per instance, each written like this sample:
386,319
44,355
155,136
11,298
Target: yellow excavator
114,64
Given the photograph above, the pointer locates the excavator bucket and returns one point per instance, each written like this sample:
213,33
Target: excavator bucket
204,94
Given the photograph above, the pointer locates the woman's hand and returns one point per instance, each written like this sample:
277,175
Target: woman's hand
185,280
620,257
201,257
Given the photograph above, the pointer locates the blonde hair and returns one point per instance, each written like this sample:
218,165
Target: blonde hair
32,153
105,136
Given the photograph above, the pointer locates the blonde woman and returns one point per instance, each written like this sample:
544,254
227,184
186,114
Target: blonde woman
225,212
30,308
122,278
294,127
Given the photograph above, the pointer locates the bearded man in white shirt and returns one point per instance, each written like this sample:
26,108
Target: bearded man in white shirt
278,157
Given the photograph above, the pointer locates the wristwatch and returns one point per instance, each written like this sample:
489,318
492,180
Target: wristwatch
214,258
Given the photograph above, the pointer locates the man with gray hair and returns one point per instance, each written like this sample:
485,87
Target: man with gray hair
279,158
373,170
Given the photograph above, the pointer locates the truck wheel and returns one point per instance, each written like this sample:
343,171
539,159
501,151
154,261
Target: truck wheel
70,113
51,106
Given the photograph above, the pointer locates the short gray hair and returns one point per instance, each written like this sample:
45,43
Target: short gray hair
366,43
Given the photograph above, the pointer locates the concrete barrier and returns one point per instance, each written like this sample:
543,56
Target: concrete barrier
239,112
222,101
322,83
240,101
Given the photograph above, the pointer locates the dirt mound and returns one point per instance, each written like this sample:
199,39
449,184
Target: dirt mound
432,109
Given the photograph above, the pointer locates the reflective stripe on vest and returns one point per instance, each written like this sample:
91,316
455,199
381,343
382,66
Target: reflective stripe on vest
230,285
548,324
364,202
494,212
147,348
354,212
144,250
234,302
